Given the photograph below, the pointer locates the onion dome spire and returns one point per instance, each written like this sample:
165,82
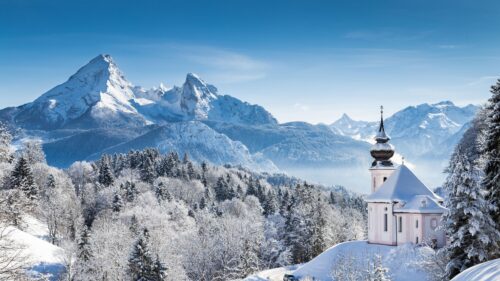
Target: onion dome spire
382,151
381,135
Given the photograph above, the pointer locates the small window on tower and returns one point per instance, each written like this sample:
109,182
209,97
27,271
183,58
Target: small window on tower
416,224
385,178
400,224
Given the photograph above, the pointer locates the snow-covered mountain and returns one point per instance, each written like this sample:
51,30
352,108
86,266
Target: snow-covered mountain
97,95
425,130
97,110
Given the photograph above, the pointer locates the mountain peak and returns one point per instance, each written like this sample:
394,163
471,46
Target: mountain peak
345,117
444,103
100,67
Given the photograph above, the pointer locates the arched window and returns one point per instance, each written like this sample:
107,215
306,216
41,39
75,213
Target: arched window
385,178
416,223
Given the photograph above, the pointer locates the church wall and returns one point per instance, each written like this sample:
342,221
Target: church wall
431,231
409,231
376,233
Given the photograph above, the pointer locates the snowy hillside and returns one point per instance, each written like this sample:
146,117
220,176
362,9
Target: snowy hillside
355,257
41,257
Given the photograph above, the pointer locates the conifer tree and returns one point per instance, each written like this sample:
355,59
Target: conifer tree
221,190
141,264
162,193
117,202
270,205
203,203
380,273
22,178
470,230
134,225
491,155
105,176
130,191
84,253
148,171
160,270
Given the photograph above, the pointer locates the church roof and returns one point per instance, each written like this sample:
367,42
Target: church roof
401,186
421,204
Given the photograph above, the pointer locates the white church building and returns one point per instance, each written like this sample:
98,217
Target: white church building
401,209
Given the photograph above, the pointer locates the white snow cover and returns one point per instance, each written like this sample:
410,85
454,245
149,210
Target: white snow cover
402,262
421,204
99,86
402,186
487,271
275,274
42,257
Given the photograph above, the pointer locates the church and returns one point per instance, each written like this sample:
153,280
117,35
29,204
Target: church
401,209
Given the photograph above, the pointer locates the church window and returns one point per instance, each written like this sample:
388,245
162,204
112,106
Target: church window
416,223
385,178
400,224
416,240
385,222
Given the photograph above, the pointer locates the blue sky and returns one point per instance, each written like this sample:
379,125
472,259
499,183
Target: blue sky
302,60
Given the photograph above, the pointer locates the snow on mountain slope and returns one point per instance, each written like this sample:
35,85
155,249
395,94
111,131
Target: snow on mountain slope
199,141
402,261
422,130
358,130
197,100
97,91
298,144
487,271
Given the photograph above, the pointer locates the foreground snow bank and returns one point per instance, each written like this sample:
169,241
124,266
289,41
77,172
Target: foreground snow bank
403,262
42,257
487,271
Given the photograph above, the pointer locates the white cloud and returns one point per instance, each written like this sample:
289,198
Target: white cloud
483,80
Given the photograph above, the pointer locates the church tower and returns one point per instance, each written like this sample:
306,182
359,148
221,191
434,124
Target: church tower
382,151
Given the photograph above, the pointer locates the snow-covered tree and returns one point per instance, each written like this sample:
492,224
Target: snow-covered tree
491,156
105,175
5,144
379,272
141,264
32,151
470,230
117,202
148,173
22,179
